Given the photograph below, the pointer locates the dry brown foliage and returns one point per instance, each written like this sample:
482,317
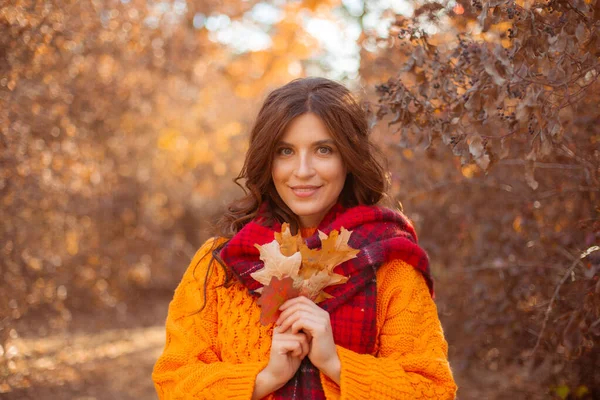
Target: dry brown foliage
122,125
494,132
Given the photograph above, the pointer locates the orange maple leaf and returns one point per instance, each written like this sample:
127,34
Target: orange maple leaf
277,292
318,264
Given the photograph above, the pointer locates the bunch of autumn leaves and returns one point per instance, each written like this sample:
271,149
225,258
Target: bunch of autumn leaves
291,269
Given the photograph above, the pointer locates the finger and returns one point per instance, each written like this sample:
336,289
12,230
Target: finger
303,336
296,346
298,307
309,336
305,346
300,321
288,336
287,322
290,321
283,333
296,300
293,336
281,319
299,350
309,326
277,331
288,346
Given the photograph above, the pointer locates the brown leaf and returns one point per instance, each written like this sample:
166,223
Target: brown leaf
558,43
483,162
490,67
500,53
554,128
580,32
546,146
473,104
475,145
484,18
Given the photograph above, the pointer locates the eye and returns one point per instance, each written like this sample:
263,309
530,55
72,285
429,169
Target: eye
284,151
324,150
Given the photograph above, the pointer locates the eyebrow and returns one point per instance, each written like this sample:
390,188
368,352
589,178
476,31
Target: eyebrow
317,143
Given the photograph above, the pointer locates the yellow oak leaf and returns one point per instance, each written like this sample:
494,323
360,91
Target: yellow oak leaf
276,264
318,264
289,244
313,286
334,251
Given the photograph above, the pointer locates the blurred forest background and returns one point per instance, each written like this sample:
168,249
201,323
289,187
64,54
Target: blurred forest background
123,123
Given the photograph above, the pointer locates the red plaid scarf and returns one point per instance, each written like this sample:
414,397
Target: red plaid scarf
381,235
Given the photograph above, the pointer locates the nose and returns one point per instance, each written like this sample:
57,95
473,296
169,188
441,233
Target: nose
304,167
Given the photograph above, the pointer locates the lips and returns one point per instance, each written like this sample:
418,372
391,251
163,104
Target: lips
304,190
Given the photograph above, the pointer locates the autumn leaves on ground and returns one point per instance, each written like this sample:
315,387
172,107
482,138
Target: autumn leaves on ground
123,122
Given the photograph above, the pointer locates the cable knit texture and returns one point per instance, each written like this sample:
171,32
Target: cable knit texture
216,353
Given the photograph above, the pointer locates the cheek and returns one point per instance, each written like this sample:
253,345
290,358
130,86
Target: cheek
278,172
338,172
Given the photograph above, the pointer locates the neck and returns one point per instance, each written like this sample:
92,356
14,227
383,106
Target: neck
310,221
313,221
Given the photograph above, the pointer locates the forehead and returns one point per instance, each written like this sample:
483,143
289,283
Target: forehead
306,128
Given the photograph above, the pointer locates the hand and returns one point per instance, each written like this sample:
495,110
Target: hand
302,314
287,352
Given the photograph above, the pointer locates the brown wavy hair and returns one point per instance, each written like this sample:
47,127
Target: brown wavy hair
366,182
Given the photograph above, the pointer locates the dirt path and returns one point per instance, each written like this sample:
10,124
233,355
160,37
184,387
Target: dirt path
112,364
101,362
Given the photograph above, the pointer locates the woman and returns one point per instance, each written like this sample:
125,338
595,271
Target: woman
310,164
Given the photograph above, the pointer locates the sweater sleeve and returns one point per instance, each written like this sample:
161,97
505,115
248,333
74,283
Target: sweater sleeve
190,366
412,356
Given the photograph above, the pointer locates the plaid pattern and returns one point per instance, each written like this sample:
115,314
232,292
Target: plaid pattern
381,235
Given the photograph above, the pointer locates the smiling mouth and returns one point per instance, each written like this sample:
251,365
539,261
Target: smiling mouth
305,191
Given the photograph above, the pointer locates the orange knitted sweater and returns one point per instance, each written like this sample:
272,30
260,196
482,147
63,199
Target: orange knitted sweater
218,352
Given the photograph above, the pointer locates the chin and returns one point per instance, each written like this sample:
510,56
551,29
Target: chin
305,211
308,211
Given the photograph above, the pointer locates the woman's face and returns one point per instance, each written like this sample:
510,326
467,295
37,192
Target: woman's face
308,171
